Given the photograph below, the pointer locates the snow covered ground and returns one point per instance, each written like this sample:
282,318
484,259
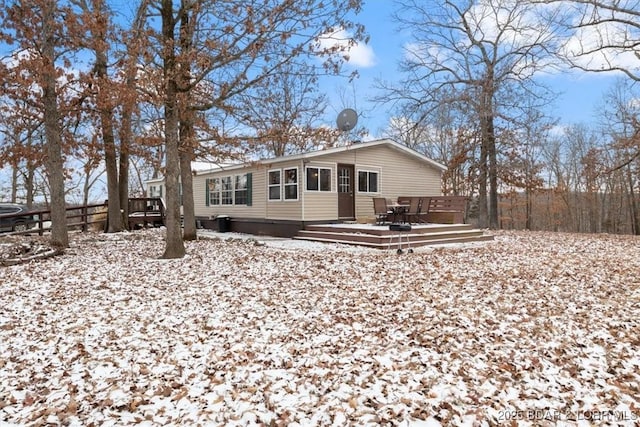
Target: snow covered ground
536,328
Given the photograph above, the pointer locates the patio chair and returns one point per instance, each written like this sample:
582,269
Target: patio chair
404,200
414,211
381,210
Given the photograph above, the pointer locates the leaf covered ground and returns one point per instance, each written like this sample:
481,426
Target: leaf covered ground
531,329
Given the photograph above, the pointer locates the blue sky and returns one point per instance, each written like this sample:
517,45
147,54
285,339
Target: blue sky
580,92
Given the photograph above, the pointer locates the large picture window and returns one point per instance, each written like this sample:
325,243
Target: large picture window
275,179
229,190
318,179
291,184
368,181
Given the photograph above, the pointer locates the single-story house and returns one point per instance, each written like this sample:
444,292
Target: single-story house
279,196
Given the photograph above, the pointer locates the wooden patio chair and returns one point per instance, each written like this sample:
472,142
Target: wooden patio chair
415,210
404,200
381,210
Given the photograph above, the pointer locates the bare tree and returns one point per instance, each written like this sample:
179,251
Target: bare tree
284,110
621,122
448,136
95,18
602,35
233,47
41,34
472,53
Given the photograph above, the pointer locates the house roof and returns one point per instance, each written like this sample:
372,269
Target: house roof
335,150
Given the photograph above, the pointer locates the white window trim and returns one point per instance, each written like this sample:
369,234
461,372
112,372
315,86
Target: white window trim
368,171
235,189
284,184
332,184
232,190
212,192
279,185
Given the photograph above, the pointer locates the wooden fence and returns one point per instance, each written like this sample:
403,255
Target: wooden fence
143,211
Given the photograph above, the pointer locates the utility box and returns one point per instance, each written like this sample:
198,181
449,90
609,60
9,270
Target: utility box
224,223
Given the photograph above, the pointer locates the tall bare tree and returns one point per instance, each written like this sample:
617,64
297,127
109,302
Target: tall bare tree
471,53
621,122
284,110
601,35
41,34
96,19
236,45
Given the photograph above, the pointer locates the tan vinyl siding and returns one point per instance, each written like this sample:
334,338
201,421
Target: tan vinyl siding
321,206
400,175
256,210
283,209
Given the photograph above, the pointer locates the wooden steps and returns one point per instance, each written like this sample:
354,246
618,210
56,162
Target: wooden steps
380,237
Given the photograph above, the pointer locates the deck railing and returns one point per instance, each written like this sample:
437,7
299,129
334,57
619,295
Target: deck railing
142,210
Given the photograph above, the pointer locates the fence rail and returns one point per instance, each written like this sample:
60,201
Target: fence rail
143,211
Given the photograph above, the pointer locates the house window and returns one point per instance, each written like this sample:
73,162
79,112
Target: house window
229,190
274,184
214,191
241,190
367,182
155,191
318,179
226,194
291,184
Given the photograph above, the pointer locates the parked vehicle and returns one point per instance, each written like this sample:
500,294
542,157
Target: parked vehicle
15,217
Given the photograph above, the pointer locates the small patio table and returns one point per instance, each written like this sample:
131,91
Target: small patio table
398,210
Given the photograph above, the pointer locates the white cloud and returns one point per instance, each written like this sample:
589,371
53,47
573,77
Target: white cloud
359,54
592,38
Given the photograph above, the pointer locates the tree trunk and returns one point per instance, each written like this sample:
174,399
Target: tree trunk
493,173
187,134
28,183
633,206
528,208
126,142
14,182
86,186
485,171
110,159
123,170
188,208
174,247
105,109
53,132
483,213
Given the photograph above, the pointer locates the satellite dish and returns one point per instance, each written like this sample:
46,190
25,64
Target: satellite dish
347,119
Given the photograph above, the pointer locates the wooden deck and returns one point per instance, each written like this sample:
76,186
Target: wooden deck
380,237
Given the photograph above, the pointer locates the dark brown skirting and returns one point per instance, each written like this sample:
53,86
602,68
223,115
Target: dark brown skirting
260,227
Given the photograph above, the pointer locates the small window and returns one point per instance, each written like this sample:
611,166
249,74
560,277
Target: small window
318,179
155,191
241,190
367,182
291,184
227,191
274,184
